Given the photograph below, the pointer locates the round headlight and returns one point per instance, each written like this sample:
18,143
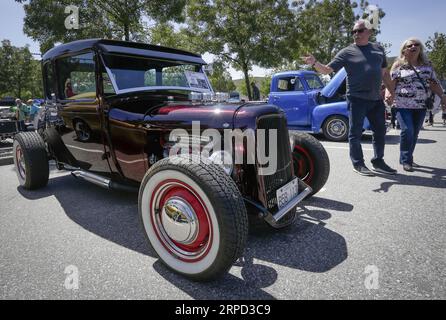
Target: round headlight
224,160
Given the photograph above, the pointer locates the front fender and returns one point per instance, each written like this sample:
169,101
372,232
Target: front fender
322,112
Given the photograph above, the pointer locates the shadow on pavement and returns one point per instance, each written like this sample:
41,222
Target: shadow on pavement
306,246
394,140
437,179
367,139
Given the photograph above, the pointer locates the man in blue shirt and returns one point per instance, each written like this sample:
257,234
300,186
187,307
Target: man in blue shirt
366,67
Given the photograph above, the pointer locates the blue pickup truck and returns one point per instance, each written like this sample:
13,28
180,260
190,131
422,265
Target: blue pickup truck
310,106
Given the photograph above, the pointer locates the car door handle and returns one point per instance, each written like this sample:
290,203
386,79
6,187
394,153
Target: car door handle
275,98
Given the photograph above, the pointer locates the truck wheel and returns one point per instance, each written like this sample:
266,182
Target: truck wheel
30,160
336,128
310,160
193,216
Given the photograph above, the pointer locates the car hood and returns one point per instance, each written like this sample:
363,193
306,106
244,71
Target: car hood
181,113
216,116
330,89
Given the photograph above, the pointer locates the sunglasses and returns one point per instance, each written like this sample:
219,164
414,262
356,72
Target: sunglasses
358,31
413,45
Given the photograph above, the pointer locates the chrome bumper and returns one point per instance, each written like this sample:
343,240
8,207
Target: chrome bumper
291,205
274,219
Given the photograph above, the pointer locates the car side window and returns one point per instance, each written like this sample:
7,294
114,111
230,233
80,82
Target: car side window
108,86
299,86
289,84
76,77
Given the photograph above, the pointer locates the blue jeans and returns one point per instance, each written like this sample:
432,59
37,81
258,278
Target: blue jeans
375,113
411,122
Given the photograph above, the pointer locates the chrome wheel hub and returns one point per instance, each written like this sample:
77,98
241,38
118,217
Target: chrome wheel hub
179,221
337,128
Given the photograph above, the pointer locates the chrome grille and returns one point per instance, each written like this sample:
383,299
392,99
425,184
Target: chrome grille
284,172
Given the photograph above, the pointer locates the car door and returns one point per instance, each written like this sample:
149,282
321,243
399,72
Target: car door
79,108
291,97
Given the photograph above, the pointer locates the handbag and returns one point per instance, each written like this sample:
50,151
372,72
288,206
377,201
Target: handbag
429,103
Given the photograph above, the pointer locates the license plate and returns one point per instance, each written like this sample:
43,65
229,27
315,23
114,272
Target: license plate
287,193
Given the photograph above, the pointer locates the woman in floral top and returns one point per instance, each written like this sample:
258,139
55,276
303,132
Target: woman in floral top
409,95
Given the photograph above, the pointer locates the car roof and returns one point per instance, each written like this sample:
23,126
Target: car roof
122,47
294,73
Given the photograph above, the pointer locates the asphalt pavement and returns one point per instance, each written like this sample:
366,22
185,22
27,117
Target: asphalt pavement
360,238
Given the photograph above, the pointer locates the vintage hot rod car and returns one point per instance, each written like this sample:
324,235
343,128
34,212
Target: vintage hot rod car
110,111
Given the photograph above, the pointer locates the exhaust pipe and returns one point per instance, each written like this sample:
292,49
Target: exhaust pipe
104,182
93,178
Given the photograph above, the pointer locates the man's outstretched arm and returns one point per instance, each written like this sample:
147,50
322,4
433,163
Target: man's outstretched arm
321,68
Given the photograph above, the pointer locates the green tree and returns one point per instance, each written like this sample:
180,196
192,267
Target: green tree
164,34
118,19
265,86
323,27
19,72
437,53
221,79
242,33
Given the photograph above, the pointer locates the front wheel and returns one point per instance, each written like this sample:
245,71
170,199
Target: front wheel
30,160
336,128
310,161
193,216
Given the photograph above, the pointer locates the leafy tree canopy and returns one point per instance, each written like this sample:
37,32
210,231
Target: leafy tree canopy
117,19
241,33
437,53
20,74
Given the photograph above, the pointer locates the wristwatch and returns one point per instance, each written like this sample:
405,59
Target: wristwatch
314,64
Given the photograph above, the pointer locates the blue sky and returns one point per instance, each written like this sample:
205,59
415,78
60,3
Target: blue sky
404,19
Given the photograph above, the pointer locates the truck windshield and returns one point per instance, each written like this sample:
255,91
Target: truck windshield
128,73
313,81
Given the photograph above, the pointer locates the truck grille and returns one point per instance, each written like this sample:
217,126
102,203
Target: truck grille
284,172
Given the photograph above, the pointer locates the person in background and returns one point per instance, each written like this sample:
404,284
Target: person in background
21,112
255,92
429,119
68,89
413,81
366,67
33,109
443,116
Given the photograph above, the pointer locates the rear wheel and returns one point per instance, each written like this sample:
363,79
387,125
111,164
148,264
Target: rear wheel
336,128
193,216
30,160
310,161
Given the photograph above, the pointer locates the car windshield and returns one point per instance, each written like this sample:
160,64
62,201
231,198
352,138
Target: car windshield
313,81
128,73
